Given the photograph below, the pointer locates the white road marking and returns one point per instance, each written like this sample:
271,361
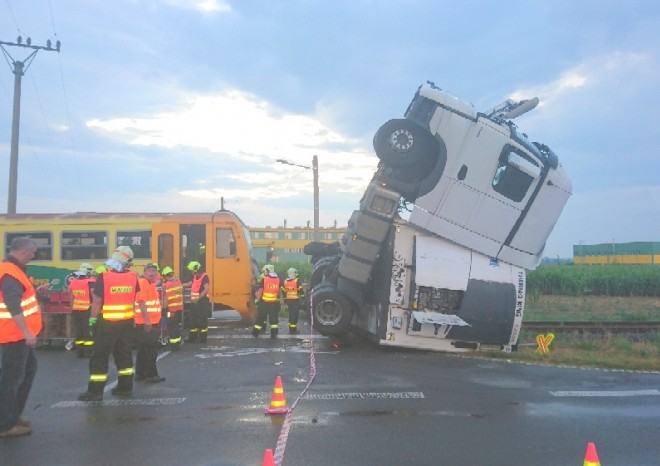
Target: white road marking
121,402
362,395
606,393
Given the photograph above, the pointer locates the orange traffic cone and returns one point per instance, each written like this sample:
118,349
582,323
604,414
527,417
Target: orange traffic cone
268,458
278,401
591,457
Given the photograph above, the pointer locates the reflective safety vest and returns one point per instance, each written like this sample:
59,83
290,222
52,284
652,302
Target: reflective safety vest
291,288
82,298
149,294
119,290
173,294
9,331
196,286
271,289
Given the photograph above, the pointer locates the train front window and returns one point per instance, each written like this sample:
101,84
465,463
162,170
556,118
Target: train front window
225,243
84,245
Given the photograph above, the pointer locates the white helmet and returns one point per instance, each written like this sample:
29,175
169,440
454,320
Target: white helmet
268,269
292,273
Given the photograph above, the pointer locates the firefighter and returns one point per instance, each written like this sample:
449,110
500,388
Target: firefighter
81,301
293,297
200,304
173,303
148,341
113,302
268,302
20,323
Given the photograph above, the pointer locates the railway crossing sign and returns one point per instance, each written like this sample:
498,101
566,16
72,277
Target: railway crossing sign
543,342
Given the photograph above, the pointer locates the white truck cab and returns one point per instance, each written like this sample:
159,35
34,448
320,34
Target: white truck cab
452,277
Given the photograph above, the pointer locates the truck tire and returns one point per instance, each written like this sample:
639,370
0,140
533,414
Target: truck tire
332,312
319,270
402,143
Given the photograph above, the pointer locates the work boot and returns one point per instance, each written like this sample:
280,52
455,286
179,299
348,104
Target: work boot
273,334
121,392
192,337
90,396
16,431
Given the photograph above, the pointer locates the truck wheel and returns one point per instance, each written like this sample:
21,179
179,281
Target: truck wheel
402,143
332,311
319,270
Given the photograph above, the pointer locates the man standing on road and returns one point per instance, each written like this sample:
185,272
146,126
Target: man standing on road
113,302
148,341
268,296
173,304
293,296
20,323
81,301
200,304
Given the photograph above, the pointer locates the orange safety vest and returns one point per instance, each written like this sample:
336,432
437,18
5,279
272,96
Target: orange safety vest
196,286
291,288
271,289
149,294
119,290
82,298
173,294
9,331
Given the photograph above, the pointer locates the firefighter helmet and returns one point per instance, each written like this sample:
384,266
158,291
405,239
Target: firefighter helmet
86,267
123,254
100,269
268,269
167,271
194,266
292,273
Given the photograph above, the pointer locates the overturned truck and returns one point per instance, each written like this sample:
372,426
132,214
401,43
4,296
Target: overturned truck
480,199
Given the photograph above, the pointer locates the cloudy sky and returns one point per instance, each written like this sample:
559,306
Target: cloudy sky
171,105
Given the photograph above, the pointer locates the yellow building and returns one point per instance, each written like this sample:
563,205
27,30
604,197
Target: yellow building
285,244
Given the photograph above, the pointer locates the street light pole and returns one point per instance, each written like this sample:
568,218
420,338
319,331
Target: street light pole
315,173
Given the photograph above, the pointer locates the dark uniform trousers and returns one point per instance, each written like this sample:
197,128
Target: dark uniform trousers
83,341
270,310
174,329
148,346
199,320
294,306
116,338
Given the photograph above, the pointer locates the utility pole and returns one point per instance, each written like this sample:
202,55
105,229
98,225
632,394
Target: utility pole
315,172
19,68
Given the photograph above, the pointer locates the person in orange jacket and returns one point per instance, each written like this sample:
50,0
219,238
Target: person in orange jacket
20,323
148,341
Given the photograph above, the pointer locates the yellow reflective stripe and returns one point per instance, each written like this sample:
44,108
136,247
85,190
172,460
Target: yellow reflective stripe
118,315
204,330
98,377
89,343
118,307
127,371
175,340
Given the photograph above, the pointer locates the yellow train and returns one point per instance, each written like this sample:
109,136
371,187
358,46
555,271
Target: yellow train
220,241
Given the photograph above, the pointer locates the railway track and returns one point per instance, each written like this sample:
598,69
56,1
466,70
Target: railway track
592,327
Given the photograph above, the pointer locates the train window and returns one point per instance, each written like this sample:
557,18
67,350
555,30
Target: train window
138,240
44,241
84,245
225,243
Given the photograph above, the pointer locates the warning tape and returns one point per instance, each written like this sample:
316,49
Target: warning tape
284,432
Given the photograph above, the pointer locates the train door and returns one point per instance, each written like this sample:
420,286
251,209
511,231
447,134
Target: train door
230,266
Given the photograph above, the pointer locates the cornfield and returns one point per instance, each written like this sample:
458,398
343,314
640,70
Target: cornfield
596,280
